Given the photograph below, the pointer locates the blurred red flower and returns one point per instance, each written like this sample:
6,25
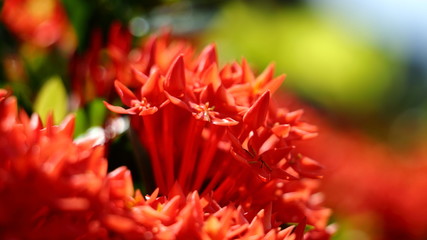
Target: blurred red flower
39,22
369,183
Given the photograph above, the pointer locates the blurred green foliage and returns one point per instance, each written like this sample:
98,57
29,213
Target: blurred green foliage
334,67
52,99
94,114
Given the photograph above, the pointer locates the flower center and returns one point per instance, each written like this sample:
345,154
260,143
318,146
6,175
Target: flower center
142,104
204,112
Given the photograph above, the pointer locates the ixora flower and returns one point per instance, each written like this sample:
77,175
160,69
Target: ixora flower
217,131
54,188
39,22
398,174
93,72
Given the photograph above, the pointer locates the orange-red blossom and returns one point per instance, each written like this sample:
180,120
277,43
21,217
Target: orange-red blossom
54,188
217,131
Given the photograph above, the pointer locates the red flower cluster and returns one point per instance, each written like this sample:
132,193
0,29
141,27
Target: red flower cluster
94,71
40,22
216,131
54,188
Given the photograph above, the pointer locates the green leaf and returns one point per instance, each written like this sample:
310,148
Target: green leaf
81,122
52,98
97,112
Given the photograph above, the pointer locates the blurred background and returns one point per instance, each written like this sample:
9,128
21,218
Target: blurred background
358,68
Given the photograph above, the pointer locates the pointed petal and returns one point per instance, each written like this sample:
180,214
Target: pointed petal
149,111
238,151
153,85
294,116
224,96
138,198
138,75
177,101
150,213
67,125
211,76
302,134
307,127
299,230
281,130
163,104
207,94
257,114
171,208
248,75
152,197
117,109
308,167
234,233
282,174
284,234
124,93
35,122
175,78
239,157
23,117
273,156
265,76
150,48
234,141
274,84
224,121
176,190
49,123
207,58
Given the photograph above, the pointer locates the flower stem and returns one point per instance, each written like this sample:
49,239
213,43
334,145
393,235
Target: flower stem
168,145
150,139
191,149
210,147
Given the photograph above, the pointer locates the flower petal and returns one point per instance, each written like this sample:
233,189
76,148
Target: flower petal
125,94
257,114
207,58
175,78
224,121
117,109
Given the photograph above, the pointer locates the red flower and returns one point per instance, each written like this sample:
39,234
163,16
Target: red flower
369,183
196,102
200,119
61,178
151,98
93,72
72,197
40,23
